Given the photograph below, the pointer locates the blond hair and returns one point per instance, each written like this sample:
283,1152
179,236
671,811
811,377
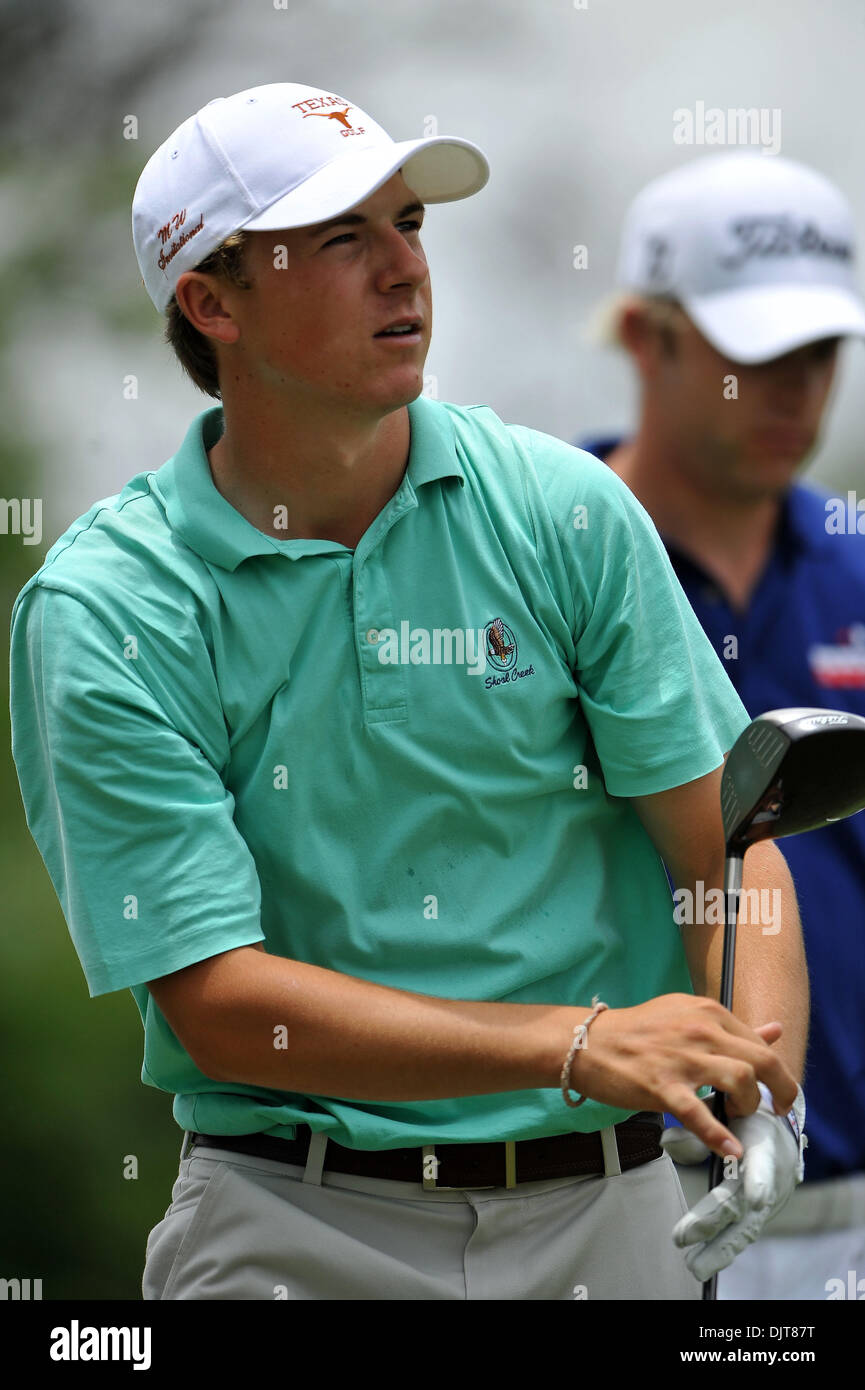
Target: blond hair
662,313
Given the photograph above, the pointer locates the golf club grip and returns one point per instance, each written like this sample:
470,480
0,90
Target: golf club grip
719,1110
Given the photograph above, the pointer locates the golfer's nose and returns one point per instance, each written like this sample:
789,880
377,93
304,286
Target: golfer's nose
402,263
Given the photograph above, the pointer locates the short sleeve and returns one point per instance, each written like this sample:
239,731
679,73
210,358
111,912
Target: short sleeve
134,824
661,709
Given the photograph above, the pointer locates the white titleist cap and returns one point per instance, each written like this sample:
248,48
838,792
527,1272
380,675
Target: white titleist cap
279,156
759,252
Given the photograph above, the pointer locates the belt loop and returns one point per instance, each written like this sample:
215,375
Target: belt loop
612,1166
315,1158
186,1138
510,1163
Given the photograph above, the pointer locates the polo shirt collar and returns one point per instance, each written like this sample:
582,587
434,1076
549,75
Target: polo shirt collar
433,450
216,531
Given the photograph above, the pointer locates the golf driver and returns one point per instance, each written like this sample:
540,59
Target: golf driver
791,770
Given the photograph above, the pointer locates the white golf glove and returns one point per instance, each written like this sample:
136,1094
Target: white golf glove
733,1214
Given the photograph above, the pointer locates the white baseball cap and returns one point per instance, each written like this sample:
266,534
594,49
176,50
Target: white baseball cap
278,156
759,252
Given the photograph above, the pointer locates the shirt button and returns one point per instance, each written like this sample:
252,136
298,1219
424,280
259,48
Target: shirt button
372,635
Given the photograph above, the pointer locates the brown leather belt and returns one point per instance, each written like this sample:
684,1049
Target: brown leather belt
445,1166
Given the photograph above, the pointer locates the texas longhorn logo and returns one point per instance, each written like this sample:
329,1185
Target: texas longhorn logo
341,116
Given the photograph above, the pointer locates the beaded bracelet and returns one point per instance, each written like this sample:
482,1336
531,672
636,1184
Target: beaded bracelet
580,1032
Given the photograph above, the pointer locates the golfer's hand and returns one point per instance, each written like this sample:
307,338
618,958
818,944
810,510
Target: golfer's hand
657,1055
734,1213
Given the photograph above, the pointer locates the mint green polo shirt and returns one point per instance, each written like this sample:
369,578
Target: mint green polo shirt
409,762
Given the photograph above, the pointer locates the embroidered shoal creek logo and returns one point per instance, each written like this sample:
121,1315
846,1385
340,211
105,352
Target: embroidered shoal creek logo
502,653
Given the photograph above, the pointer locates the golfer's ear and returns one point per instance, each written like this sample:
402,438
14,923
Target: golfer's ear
200,297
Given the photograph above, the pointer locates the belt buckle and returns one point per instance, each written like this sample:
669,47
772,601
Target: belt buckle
431,1167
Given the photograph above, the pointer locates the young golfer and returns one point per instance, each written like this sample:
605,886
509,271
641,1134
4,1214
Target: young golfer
355,739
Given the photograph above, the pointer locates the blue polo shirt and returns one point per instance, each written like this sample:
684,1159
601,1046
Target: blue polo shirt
410,761
801,642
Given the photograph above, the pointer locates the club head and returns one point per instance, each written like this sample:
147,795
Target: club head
792,770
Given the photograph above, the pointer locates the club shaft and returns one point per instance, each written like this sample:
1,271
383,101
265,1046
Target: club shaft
732,888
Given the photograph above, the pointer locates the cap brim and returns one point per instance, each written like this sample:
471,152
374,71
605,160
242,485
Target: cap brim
438,169
761,322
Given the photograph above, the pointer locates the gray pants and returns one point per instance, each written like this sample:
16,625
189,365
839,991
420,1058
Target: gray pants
241,1227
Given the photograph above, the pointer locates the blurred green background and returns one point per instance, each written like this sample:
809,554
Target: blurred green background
574,108
74,1108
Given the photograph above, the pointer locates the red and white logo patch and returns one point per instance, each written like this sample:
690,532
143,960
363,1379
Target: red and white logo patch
840,665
